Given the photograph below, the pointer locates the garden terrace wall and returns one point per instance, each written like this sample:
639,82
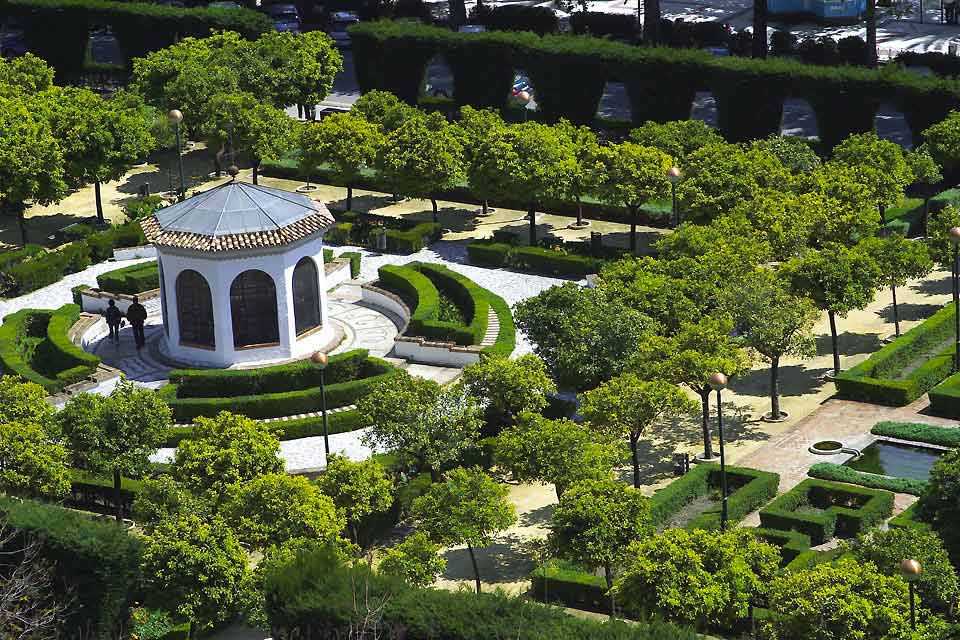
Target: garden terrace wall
57,30
569,73
873,379
272,392
67,362
753,489
871,507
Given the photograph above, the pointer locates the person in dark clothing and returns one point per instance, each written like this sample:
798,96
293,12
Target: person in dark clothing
137,315
114,318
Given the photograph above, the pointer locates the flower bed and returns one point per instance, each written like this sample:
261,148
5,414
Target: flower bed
822,510
271,392
751,490
886,376
34,345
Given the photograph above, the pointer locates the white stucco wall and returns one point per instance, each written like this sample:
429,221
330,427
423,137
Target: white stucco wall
220,270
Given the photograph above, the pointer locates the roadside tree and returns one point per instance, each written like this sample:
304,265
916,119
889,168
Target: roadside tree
899,260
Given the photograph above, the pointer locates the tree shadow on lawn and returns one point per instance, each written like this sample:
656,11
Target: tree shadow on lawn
795,380
621,239
909,311
197,165
539,516
506,560
850,344
941,286
362,203
39,227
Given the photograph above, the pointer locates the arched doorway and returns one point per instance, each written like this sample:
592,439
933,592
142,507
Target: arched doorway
194,310
306,296
253,309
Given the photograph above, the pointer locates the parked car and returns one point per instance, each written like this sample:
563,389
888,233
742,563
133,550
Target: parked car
223,4
472,28
339,22
12,41
285,17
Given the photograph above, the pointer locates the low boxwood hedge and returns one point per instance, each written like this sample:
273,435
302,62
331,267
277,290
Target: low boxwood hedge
210,383
792,545
751,490
822,510
506,340
137,278
11,257
840,473
34,345
907,519
420,284
552,262
919,432
337,422
559,582
47,268
879,379
304,399
945,397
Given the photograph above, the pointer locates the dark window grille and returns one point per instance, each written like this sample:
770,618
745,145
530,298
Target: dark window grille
306,296
195,309
253,308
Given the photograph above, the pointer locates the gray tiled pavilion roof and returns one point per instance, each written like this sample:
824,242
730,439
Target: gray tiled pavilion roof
237,215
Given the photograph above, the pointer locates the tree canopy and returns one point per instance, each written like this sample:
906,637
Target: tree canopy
506,387
358,489
345,142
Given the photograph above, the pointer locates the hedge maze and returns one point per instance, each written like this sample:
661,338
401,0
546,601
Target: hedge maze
823,510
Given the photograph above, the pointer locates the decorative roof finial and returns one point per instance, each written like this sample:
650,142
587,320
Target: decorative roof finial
233,170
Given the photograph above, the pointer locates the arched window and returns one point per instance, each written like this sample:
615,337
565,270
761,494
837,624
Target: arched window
194,309
306,296
253,308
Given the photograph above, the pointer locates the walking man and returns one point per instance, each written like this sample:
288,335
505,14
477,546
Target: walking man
114,318
137,315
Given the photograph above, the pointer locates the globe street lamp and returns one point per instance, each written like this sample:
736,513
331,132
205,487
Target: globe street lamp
176,117
319,361
673,175
911,570
955,241
719,382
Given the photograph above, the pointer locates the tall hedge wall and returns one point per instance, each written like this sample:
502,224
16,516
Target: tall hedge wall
568,74
57,30
97,563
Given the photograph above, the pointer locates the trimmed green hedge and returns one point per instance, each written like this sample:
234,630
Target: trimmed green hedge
559,582
506,340
907,519
137,278
210,383
34,345
419,284
354,257
351,377
337,422
751,489
50,267
840,473
945,397
98,563
569,72
57,30
794,546
822,510
919,432
16,256
875,379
